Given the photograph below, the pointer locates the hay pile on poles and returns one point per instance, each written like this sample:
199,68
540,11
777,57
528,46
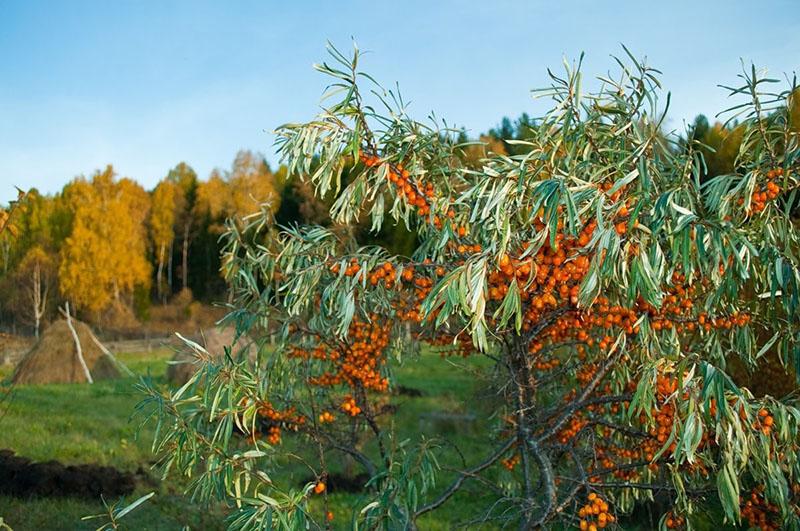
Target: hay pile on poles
67,352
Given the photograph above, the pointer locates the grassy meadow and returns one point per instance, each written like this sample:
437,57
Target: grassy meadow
78,424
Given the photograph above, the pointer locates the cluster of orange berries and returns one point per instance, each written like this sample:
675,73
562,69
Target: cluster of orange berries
548,271
764,422
357,362
594,515
509,463
606,315
401,179
583,325
605,459
586,374
350,271
320,352
664,416
735,319
350,407
606,187
621,223
674,521
578,420
385,273
320,487
409,308
453,345
363,359
676,306
576,423
546,364
422,287
274,435
677,310
289,417
549,278
609,456
326,417
766,192
466,248
278,420
760,513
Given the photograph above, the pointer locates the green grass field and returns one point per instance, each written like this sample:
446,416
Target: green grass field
93,424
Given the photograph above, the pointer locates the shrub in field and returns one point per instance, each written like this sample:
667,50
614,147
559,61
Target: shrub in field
607,282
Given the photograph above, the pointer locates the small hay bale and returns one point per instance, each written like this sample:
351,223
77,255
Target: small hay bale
54,358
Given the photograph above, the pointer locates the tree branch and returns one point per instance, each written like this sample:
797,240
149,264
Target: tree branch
455,485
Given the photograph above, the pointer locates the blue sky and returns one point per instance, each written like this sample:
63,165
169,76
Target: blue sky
144,85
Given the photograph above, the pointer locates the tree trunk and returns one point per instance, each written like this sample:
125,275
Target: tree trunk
6,255
169,268
43,305
39,288
37,298
185,255
160,274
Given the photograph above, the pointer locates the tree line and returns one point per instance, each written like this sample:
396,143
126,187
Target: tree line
107,245
111,248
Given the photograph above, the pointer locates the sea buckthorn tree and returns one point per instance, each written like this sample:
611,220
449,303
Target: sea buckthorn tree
608,284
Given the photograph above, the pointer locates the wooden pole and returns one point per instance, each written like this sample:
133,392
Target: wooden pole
121,366
78,348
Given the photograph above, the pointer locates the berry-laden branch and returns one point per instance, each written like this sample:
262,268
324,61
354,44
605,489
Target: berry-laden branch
605,286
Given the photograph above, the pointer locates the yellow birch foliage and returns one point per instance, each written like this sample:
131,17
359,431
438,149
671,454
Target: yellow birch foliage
162,214
248,185
794,110
211,196
104,256
725,144
474,153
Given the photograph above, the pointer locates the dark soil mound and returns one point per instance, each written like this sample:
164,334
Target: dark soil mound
341,483
22,478
408,391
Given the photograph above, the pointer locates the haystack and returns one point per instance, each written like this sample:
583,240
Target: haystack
55,359
185,362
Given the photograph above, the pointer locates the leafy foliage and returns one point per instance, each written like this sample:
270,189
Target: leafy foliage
102,259
111,241
600,268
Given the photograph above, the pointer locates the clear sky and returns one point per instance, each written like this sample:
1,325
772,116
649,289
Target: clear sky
144,85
